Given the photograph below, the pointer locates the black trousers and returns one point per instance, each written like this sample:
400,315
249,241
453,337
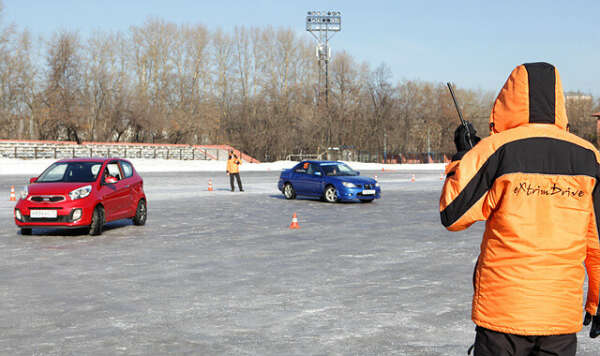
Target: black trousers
493,343
239,181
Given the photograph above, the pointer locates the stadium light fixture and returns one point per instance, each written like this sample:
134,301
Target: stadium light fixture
327,21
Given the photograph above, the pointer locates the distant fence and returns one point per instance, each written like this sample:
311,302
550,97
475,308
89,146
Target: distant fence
420,157
303,156
365,156
67,149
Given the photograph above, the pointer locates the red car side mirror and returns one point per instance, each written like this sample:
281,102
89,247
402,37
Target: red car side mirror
32,180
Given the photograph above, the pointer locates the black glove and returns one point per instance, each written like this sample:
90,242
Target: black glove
461,139
595,320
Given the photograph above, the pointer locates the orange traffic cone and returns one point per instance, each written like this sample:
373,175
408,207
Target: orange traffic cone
13,197
210,188
413,178
383,169
294,224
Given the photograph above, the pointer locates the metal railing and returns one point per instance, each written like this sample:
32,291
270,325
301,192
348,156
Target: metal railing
57,150
303,156
370,157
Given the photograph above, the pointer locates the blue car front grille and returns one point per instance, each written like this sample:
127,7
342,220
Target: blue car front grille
366,186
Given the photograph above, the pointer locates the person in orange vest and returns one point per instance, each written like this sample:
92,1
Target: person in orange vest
537,186
233,170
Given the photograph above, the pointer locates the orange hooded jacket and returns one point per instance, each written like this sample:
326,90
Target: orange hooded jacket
536,185
233,164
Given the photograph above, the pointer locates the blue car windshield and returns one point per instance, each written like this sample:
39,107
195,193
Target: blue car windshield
337,169
70,172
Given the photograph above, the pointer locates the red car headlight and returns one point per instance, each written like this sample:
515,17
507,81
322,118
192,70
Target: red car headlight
80,192
18,215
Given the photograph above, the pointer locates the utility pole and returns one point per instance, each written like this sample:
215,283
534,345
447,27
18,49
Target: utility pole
384,147
428,146
323,25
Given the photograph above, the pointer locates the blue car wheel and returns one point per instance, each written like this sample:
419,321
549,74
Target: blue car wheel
288,191
331,195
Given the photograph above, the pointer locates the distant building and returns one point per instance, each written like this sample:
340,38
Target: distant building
597,116
577,96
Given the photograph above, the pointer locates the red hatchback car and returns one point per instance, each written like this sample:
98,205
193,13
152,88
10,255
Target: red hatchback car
82,193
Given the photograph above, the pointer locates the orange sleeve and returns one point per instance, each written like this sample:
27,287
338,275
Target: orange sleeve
592,259
464,199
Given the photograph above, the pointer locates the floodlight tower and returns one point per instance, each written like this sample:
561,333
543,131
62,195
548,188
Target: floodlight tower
323,25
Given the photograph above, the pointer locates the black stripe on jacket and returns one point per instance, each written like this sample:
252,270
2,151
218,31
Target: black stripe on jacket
540,155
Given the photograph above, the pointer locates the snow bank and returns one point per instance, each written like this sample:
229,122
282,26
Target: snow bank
35,167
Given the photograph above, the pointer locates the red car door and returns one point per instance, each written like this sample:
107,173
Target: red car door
115,192
129,203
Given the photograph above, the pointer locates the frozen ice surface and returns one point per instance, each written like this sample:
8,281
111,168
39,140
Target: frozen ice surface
220,273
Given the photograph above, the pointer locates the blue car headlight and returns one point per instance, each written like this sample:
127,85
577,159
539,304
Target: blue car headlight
349,185
377,184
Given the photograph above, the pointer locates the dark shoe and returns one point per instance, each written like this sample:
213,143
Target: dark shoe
241,190
233,190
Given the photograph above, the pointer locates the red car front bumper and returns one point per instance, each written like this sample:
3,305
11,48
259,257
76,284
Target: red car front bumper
65,211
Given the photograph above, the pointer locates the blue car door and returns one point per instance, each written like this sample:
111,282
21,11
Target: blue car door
299,179
314,179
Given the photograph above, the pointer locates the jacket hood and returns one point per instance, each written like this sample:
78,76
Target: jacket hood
532,94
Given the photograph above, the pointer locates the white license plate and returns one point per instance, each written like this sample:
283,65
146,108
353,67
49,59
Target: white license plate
43,213
368,192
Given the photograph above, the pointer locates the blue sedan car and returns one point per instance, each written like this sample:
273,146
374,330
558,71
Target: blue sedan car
330,180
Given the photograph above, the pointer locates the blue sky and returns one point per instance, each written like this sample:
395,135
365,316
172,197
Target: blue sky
474,44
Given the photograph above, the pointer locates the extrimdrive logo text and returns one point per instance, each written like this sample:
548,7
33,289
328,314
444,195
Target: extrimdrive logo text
553,190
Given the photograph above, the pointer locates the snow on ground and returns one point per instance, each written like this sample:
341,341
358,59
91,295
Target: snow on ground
34,167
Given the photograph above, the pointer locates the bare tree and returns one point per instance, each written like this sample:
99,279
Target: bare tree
64,87
381,94
580,107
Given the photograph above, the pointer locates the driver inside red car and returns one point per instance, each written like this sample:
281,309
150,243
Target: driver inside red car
108,178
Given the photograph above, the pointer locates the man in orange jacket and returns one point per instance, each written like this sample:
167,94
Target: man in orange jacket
537,187
233,170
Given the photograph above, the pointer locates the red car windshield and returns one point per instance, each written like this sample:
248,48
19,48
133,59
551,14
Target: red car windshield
70,172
